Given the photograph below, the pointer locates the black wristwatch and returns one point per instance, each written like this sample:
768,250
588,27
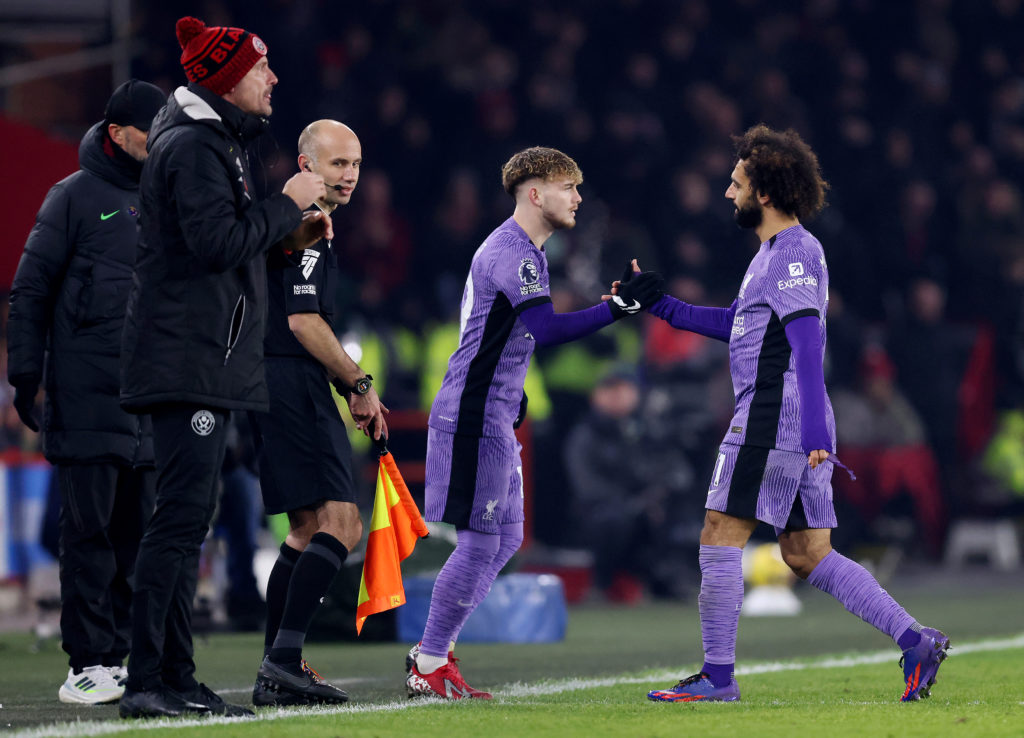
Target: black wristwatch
362,385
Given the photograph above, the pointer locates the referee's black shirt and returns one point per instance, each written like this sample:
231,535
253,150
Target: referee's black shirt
298,282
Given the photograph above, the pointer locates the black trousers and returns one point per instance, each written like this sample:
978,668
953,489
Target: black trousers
189,442
103,512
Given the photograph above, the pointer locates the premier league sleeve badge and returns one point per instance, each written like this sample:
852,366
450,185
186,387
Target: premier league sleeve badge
529,275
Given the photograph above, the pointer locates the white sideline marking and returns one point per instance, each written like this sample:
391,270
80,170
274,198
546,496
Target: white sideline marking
513,690
829,662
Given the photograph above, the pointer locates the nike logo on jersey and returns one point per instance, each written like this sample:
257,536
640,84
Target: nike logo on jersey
634,308
108,216
309,259
743,287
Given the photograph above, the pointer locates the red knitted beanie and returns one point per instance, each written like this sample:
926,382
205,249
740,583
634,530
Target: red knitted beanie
215,56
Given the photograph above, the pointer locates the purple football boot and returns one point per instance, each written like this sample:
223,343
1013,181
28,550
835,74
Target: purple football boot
921,662
697,688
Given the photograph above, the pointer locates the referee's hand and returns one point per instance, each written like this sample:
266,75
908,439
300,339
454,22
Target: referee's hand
368,412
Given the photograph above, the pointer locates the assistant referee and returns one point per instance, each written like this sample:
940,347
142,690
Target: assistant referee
305,459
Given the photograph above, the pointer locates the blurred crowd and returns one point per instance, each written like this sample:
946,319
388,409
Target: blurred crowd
916,110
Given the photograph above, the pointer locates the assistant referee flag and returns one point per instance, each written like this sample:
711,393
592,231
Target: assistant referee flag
395,526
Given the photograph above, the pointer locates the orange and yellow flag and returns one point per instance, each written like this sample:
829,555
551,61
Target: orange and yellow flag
395,526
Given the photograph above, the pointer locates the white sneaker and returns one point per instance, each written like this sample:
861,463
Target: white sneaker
94,685
120,674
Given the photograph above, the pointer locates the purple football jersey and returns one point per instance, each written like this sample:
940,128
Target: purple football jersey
786,280
483,386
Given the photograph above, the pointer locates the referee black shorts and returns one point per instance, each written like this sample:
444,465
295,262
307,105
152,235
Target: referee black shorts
305,456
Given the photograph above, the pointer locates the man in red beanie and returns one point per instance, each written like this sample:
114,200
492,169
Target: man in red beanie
192,348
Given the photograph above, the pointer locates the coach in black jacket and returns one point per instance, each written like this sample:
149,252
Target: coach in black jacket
193,340
69,296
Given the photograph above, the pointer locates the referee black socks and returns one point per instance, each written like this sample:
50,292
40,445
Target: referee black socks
314,571
277,592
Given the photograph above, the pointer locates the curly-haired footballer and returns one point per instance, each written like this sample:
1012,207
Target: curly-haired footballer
775,463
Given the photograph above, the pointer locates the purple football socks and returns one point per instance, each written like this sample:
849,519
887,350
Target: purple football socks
861,594
455,589
721,595
511,540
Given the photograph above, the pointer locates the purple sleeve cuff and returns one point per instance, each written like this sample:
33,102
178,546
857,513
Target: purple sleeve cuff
707,321
804,335
550,329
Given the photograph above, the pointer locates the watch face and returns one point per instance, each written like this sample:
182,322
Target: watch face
362,385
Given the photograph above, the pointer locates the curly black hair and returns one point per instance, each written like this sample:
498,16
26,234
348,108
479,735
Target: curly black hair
538,161
783,167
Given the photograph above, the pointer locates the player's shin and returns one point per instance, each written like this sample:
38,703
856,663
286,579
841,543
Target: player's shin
454,597
721,595
861,594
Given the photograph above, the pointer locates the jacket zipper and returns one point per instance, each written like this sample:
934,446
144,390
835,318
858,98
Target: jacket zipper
72,503
138,442
235,328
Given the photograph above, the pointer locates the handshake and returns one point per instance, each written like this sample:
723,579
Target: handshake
635,292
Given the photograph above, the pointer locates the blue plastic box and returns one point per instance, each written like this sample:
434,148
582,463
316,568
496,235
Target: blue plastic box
521,608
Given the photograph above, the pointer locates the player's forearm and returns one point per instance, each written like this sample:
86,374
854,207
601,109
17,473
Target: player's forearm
804,338
319,340
550,329
708,321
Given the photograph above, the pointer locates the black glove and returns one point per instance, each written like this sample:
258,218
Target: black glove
522,412
636,292
25,391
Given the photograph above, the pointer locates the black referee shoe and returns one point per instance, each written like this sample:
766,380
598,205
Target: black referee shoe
279,685
203,695
156,703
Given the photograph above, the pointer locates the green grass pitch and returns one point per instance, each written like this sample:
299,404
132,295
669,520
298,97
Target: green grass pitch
823,673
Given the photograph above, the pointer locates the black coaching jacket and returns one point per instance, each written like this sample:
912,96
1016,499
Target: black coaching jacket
67,308
196,314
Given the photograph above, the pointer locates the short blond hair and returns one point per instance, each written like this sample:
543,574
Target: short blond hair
540,162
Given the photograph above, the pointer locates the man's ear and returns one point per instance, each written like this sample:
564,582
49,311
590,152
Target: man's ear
533,193
116,134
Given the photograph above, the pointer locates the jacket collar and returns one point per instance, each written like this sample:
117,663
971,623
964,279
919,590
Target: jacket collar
194,106
200,104
101,156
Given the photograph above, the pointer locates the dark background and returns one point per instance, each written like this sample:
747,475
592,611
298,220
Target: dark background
915,108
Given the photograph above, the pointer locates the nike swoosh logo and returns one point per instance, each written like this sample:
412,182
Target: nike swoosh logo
465,604
628,308
107,216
